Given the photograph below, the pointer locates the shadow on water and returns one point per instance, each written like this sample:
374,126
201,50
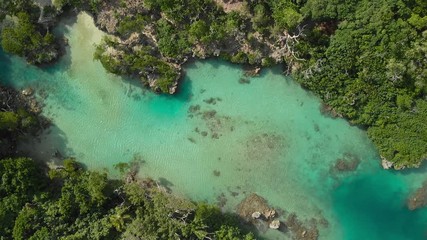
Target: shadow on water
168,185
218,62
185,89
64,62
422,169
5,66
50,146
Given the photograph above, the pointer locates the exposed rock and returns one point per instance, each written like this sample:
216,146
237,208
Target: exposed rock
253,72
256,215
275,224
264,50
271,213
27,92
385,163
173,88
249,205
34,106
255,210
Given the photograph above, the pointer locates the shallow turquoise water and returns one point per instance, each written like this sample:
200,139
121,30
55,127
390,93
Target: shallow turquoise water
267,137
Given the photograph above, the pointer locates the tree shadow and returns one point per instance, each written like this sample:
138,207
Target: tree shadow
67,20
5,66
50,147
408,171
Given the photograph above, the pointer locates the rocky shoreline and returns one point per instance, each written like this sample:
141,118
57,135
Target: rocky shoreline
256,211
20,116
242,44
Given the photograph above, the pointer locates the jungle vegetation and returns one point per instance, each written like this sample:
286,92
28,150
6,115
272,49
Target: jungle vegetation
71,203
17,120
368,60
365,59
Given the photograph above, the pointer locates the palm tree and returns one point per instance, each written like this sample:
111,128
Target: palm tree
119,218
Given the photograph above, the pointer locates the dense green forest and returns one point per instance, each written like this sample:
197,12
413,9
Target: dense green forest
372,69
19,118
26,34
365,59
70,203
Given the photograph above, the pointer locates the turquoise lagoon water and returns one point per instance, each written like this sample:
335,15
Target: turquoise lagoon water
219,137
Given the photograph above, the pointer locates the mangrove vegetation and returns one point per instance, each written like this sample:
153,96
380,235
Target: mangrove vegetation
366,60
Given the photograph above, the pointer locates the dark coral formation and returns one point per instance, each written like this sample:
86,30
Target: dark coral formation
347,163
253,203
244,81
419,198
212,100
255,210
299,230
216,173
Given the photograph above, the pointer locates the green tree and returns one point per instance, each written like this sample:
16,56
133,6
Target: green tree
23,39
119,218
9,121
27,223
198,30
285,14
20,180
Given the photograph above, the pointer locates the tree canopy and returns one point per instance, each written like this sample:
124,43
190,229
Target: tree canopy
77,204
373,71
23,39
